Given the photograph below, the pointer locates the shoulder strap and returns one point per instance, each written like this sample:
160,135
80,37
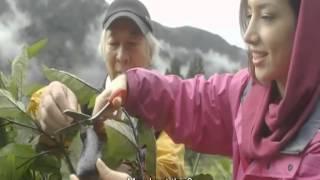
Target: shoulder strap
246,89
305,134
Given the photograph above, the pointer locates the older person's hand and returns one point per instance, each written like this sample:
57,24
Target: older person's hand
55,98
106,173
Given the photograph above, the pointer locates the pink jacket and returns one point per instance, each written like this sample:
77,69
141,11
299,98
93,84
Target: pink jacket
205,115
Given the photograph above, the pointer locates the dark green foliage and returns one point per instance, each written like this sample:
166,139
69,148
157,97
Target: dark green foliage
196,66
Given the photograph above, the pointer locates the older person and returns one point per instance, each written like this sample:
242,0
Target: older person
127,41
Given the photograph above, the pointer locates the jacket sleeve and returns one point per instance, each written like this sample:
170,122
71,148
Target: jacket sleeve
170,158
196,112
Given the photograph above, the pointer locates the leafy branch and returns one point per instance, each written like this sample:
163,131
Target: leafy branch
13,111
140,154
35,157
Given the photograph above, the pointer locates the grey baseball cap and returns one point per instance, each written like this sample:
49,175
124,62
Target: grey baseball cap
132,9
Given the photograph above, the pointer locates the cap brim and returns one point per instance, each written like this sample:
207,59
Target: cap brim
142,26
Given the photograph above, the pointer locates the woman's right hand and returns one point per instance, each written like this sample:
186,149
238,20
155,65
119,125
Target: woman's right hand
115,94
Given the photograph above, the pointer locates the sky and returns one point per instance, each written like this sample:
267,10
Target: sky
216,16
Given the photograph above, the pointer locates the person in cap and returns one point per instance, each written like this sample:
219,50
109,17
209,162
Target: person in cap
266,117
127,41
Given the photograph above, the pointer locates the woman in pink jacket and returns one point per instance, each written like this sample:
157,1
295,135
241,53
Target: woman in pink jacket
265,117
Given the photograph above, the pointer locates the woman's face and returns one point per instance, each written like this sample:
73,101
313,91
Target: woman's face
126,47
269,36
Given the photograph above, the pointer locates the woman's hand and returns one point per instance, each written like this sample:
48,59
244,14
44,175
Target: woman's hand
115,94
106,173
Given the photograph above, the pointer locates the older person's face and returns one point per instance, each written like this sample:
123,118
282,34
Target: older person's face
126,47
269,36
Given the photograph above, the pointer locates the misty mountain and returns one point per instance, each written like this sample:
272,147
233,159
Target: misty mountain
73,29
201,39
187,44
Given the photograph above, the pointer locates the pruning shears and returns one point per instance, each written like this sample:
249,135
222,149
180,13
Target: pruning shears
84,119
93,140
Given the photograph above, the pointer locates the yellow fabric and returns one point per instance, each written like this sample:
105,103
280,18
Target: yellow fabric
170,158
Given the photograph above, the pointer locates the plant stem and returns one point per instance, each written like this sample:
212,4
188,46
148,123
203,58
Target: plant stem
22,125
5,124
69,163
135,135
59,144
137,141
62,148
66,155
196,164
34,157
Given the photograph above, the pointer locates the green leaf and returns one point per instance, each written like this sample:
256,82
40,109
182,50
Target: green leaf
3,81
118,146
3,133
7,170
64,171
122,128
47,164
13,158
75,149
222,166
29,89
119,134
55,176
19,150
24,135
83,90
225,164
147,138
18,68
11,133
116,149
12,109
35,48
92,102
219,167
202,177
